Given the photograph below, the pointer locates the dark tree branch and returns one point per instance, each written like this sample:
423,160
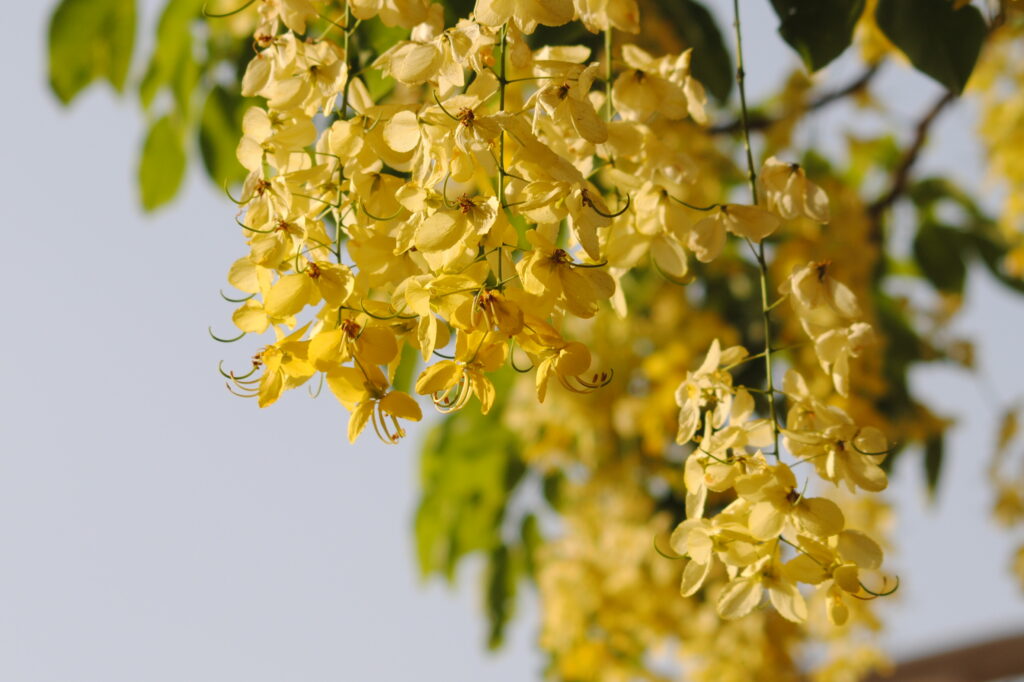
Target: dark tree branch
996,659
901,175
760,122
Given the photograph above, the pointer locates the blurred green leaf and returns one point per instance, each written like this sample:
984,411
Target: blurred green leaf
710,63
406,368
469,468
90,39
172,63
940,41
162,167
819,30
529,533
219,125
501,582
939,251
934,452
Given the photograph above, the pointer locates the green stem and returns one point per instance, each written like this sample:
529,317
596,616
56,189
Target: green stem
608,74
502,82
759,253
344,108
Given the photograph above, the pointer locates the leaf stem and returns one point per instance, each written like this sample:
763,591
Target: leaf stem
762,263
502,82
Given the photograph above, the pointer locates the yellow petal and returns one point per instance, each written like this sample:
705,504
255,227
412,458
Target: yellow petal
402,132
819,516
438,232
439,377
857,548
739,598
706,239
251,317
765,521
693,577
290,294
788,601
402,405
358,419
377,345
326,350
347,384
752,222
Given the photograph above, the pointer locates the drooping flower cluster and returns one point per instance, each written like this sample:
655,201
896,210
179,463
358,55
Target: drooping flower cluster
462,213
478,214
771,512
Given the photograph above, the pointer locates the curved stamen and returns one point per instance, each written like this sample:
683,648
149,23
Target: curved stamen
233,200
235,300
322,201
240,395
689,205
395,316
209,15
319,388
610,215
663,554
894,448
446,112
251,229
876,595
672,279
231,375
362,207
444,192
512,359
217,338
373,125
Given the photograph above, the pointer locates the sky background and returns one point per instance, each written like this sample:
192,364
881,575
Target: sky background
156,528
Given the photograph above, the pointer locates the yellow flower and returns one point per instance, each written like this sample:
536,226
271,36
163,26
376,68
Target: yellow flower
452,382
776,504
364,392
551,274
707,238
525,13
790,194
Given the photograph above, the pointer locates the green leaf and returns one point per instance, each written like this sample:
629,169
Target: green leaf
819,30
162,167
934,452
711,63
219,130
90,39
406,368
939,252
172,63
940,41
529,533
501,582
469,467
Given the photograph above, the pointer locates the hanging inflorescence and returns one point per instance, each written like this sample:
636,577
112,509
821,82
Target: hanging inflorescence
500,194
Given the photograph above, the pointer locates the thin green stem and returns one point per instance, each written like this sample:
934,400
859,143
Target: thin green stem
759,252
608,109
344,108
502,82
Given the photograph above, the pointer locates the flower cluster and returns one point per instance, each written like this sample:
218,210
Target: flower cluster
463,212
477,211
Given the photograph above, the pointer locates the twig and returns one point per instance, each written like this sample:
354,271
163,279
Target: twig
901,175
761,122
762,263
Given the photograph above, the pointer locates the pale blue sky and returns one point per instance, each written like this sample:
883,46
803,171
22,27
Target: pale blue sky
156,528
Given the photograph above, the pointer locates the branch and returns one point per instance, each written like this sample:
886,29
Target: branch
990,660
760,122
901,175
